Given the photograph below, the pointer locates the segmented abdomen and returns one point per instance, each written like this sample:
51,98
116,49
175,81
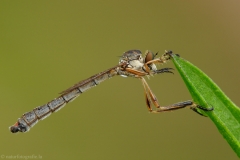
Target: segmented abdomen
31,118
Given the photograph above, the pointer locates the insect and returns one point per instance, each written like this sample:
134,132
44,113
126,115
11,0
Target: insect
131,64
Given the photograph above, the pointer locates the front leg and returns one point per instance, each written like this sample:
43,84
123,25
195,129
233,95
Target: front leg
141,73
136,72
163,70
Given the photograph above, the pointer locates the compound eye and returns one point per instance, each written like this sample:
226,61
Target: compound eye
149,56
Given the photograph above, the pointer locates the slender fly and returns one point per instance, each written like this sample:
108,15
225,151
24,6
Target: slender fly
131,64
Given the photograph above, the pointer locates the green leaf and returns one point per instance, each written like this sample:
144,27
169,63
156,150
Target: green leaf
226,115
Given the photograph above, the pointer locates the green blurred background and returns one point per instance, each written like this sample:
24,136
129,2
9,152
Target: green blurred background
47,46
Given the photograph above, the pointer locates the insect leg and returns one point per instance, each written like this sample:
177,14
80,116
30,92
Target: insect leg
196,107
148,101
149,92
172,107
136,72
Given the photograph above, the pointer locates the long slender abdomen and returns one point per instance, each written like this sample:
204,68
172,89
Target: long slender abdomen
31,118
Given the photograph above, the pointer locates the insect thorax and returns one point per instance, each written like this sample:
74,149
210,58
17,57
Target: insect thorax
132,59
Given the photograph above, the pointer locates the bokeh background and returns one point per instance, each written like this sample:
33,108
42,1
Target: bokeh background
47,46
